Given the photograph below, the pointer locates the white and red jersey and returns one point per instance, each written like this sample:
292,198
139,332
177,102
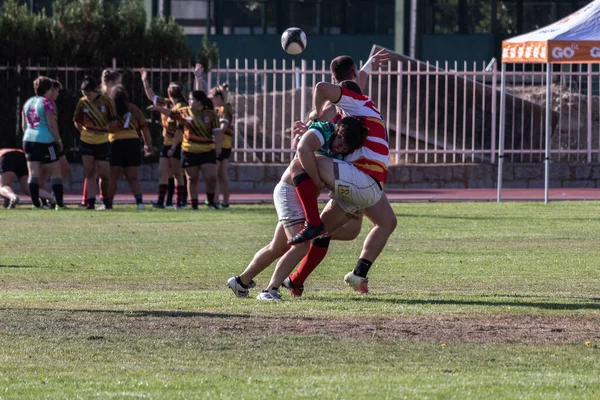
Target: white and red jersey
373,157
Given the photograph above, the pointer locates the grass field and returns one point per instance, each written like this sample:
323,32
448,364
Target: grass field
469,301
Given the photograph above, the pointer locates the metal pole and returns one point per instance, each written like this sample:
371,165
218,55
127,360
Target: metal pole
501,130
548,127
413,28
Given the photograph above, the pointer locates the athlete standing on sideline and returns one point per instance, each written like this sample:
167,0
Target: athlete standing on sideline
94,113
41,141
218,95
169,164
125,143
109,79
14,165
202,139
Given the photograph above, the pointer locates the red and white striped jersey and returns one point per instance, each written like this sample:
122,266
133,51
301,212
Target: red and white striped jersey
373,157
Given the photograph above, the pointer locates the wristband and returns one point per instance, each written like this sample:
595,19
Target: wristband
367,67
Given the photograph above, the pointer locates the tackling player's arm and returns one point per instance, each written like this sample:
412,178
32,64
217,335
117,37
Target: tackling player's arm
325,92
310,143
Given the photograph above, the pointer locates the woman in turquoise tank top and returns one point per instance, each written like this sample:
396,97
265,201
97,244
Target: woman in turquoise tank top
41,141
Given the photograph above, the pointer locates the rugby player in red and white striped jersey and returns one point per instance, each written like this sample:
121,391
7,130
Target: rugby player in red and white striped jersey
370,161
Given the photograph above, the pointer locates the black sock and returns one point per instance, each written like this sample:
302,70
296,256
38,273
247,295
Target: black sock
210,197
170,191
58,189
362,267
322,242
298,179
34,191
108,202
138,198
91,203
239,281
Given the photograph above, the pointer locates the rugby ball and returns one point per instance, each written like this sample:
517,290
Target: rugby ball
293,41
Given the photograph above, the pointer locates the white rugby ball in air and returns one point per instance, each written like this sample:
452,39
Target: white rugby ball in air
293,41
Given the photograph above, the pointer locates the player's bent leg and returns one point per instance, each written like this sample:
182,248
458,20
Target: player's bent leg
289,260
384,220
262,259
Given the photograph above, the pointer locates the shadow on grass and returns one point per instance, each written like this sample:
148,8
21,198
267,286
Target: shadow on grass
22,266
135,314
544,306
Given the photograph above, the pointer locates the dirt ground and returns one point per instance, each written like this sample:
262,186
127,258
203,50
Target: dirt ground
430,328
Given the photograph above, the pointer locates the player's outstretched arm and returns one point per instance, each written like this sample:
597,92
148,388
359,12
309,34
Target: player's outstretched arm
147,89
376,61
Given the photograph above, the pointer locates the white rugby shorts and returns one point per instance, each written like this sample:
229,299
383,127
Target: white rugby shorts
287,204
354,190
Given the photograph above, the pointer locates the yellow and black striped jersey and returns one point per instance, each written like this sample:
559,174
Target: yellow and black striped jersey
198,129
94,116
225,114
129,124
169,124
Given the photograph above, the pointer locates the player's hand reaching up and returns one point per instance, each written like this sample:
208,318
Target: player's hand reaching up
380,59
144,73
199,70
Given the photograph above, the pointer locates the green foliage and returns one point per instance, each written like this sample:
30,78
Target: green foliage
23,33
166,34
90,33
208,53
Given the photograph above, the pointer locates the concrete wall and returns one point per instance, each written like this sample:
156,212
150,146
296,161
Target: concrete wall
263,178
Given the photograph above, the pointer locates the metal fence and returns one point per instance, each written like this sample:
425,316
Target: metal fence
435,113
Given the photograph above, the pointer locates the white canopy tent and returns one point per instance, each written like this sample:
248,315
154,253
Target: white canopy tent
573,39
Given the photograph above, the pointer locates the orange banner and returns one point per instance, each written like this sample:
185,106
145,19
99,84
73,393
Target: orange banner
555,51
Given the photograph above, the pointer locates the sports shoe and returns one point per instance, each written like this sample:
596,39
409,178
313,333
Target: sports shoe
60,208
211,206
269,295
223,205
82,205
6,201
48,204
13,201
141,206
358,283
157,205
295,290
308,232
235,283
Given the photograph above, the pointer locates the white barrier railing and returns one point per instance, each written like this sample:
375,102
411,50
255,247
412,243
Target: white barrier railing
435,113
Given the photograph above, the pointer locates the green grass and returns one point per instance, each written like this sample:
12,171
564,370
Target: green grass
129,304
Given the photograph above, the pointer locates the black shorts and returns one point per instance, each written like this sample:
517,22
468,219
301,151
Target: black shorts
198,159
45,153
176,153
225,153
15,162
100,152
126,153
